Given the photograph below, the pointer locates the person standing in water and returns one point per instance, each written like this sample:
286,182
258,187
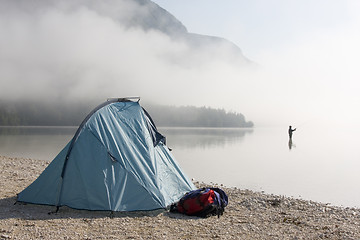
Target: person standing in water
291,132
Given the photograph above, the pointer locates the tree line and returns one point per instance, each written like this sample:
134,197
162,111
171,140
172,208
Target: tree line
58,114
190,116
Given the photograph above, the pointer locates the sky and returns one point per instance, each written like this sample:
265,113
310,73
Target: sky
260,25
306,53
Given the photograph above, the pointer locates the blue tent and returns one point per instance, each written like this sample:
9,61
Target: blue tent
117,161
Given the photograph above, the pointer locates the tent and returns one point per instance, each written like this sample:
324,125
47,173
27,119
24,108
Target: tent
116,161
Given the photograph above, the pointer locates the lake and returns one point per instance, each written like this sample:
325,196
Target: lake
322,164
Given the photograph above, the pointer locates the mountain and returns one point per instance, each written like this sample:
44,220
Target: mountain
151,17
143,14
71,54
157,18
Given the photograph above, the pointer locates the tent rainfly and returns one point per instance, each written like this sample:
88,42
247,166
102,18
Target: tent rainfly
116,161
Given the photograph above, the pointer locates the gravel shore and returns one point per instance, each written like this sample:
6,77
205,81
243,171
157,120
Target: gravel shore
249,215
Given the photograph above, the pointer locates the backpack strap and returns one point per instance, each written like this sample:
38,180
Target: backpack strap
222,201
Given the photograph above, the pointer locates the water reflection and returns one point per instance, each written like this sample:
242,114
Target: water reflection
203,137
46,142
34,142
291,144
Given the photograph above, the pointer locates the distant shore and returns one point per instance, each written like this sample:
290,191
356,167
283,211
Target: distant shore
249,215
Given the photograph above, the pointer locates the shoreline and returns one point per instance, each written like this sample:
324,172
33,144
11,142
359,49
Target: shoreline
249,215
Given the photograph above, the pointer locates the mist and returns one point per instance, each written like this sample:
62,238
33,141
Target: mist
316,77
88,50
76,51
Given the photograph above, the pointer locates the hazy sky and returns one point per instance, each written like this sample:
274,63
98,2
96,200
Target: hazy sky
259,25
308,55
308,51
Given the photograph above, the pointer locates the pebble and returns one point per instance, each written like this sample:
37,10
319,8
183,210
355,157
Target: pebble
249,215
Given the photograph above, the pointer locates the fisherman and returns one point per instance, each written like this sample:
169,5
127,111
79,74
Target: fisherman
291,132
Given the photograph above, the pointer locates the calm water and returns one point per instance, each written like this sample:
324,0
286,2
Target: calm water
322,164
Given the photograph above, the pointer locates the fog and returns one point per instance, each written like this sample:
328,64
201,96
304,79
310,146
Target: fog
74,51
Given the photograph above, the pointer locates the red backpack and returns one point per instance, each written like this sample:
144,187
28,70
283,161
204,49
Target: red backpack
203,202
